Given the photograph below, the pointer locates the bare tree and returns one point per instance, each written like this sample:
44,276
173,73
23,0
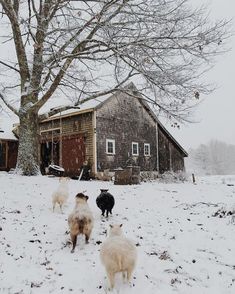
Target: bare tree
213,158
86,49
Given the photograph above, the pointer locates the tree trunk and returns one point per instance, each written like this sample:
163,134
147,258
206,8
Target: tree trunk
28,152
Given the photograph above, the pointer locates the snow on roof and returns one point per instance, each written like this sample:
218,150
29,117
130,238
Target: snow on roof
6,127
88,105
60,101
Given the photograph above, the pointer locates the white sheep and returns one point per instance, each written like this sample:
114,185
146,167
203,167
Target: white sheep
80,220
118,254
61,195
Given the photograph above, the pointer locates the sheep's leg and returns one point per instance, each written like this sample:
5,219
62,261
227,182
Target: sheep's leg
87,236
111,279
53,208
129,273
74,241
103,211
107,213
61,208
124,275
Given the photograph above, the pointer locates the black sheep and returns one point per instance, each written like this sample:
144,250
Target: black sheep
105,201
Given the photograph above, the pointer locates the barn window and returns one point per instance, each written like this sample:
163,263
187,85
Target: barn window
146,149
135,148
110,146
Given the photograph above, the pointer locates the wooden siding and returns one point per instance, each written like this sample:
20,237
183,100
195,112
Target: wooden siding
12,154
3,155
77,140
73,150
123,119
164,152
177,162
170,157
9,149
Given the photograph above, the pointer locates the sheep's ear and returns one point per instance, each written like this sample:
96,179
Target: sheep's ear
87,197
120,225
111,226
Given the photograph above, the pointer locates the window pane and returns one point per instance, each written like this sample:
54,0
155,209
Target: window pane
110,147
146,149
135,149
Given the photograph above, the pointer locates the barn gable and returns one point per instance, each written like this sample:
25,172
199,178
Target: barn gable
123,120
126,118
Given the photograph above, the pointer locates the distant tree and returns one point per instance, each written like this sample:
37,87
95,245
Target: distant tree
202,158
214,158
86,49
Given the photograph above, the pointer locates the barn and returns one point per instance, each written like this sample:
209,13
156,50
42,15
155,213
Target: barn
110,133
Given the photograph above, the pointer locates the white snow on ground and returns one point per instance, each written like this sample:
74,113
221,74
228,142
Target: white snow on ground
181,247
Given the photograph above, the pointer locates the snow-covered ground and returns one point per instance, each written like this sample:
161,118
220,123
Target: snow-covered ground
181,247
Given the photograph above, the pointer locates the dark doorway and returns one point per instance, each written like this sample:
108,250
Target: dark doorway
50,154
3,163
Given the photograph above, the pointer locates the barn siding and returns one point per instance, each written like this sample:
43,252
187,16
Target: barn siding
177,159
10,154
170,158
74,154
3,154
76,131
164,151
123,119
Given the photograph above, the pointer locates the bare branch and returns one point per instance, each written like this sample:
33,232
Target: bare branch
8,104
55,111
78,47
20,50
9,66
16,6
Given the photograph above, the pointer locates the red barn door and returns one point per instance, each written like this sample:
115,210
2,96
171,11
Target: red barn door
73,154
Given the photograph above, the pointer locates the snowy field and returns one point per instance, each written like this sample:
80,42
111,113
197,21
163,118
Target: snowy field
182,248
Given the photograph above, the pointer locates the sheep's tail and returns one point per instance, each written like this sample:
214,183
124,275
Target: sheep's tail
120,263
81,224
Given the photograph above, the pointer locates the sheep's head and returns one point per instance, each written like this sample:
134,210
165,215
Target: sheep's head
81,196
64,179
115,230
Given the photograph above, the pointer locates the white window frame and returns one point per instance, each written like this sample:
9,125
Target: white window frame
113,142
135,154
147,144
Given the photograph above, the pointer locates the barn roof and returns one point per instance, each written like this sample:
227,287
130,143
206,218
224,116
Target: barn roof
6,127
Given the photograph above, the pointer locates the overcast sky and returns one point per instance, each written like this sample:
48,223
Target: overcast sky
216,114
